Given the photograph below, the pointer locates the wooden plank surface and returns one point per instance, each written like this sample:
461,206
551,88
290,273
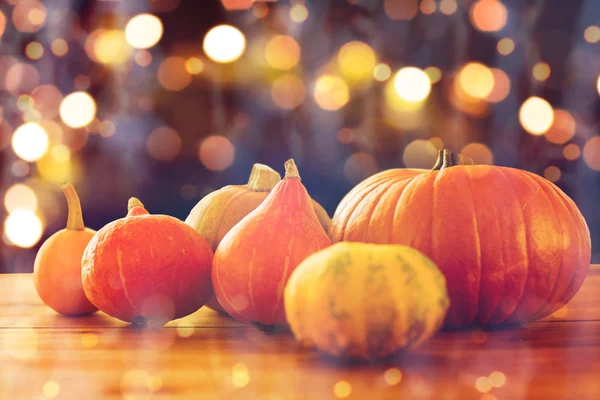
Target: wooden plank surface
207,356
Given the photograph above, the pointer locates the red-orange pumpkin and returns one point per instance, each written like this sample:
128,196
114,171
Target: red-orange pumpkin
513,247
147,269
254,260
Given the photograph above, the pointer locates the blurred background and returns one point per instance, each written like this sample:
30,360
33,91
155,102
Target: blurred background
168,100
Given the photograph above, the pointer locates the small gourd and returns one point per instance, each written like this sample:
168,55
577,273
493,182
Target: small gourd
255,258
220,210
365,301
57,267
147,269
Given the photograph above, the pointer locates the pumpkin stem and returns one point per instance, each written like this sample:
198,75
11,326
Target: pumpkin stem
134,202
291,171
447,158
74,216
263,178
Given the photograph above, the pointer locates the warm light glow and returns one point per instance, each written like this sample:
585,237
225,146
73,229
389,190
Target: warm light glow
298,13
591,153
2,23
501,86
89,340
46,100
448,7
77,109
434,74
356,61
541,71
552,173
239,375
34,50
288,92
173,74
28,16
260,10
571,151
23,228
194,65
482,384
479,153
382,72
163,144
403,10
237,4
282,52
427,6
30,141
51,389
392,376
342,389
143,58
598,84
505,46
419,154
592,34
412,84
109,46
488,15
58,169
563,127
20,197
476,80
224,44
331,92
143,31
536,115
497,378
184,329
217,153
59,47
21,78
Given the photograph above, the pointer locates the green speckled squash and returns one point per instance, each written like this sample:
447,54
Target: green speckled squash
366,301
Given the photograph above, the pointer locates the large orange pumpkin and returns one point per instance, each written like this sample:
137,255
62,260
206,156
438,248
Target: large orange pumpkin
147,269
513,247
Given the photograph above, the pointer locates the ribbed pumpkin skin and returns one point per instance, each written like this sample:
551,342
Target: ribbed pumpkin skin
512,246
147,267
256,257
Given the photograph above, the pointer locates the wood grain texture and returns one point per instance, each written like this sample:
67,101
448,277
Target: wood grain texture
208,356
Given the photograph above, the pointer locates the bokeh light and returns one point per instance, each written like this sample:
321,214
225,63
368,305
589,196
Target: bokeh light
562,128
592,34
51,389
497,379
360,166
427,6
541,71
282,52
224,43
237,4
30,142
288,92
552,173
77,109
434,74
476,80
143,31
342,389
59,47
536,115
392,376
598,84
298,13
194,65
412,84
2,23
163,144
479,153
356,61
143,58
571,151
448,7
28,16
217,153
240,377
382,72
591,153
501,87
331,92
21,78
173,74
419,154
488,15
505,46
20,197
402,10
46,100
23,228
57,166
108,46
482,384
260,10
34,50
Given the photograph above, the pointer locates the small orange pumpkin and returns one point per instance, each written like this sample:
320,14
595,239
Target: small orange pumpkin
512,246
256,257
147,269
57,267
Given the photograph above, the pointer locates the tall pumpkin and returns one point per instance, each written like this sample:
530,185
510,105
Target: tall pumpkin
219,211
513,247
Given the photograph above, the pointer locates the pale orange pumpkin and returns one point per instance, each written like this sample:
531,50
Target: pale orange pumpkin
512,246
256,257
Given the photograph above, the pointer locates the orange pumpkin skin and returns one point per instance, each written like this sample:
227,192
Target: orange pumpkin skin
513,247
147,268
256,257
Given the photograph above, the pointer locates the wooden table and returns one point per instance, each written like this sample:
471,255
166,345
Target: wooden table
207,356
